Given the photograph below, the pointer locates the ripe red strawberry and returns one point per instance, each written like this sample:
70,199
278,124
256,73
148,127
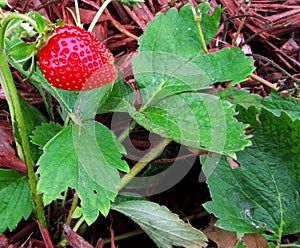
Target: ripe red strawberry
73,59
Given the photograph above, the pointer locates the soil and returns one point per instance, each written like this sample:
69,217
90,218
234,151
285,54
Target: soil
270,32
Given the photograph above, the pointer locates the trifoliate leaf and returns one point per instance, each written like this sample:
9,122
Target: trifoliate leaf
162,226
86,158
197,120
16,202
264,188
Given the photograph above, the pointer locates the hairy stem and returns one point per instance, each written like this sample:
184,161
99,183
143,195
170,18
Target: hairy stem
12,97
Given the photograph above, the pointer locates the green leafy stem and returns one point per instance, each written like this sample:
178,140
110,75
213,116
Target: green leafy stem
12,97
198,19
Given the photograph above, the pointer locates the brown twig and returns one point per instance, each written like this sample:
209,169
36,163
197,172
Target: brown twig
257,56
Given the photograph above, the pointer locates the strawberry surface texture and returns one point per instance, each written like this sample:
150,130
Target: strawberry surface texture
73,59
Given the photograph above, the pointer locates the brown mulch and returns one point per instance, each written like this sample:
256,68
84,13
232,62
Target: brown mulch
269,31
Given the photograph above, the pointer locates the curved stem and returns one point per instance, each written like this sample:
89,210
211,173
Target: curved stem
263,81
143,162
78,224
118,26
126,132
73,207
12,97
15,16
99,13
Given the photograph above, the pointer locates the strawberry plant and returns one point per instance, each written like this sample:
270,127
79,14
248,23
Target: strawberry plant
175,77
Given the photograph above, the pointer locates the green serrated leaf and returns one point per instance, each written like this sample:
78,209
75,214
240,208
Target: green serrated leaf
86,158
197,120
277,104
160,74
163,74
162,226
87,101
45,132
22,51
249,106
249,115
80,104
16,202
240,97
171,59
175,32
120,99
264,189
